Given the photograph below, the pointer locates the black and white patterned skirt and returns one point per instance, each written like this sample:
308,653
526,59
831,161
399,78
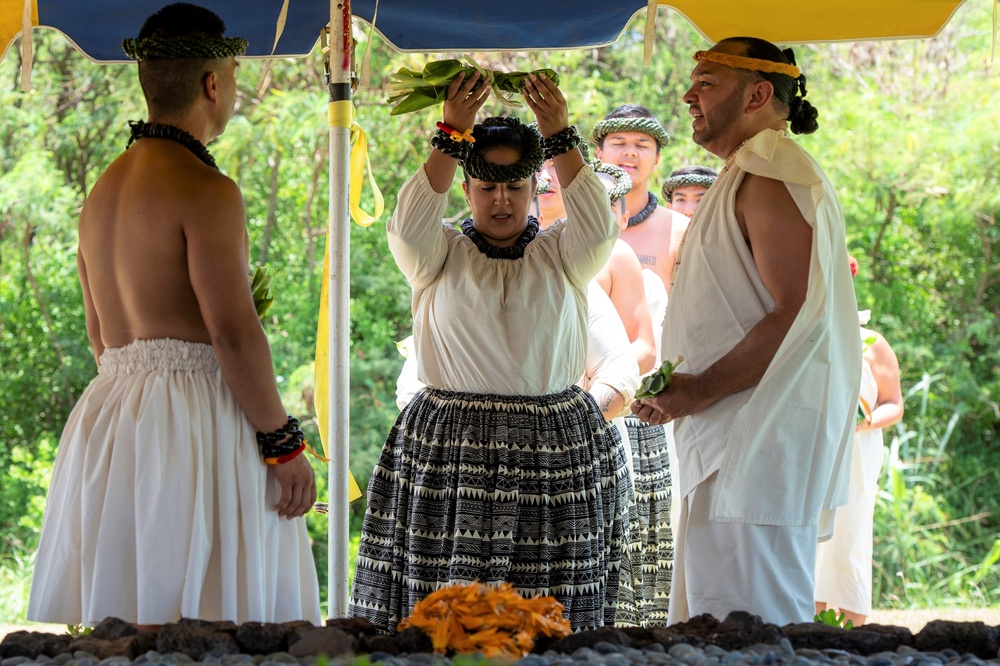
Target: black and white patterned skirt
653,573
529,490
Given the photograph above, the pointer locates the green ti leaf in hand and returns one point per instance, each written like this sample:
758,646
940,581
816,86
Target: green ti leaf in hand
659,380
260,285
411,90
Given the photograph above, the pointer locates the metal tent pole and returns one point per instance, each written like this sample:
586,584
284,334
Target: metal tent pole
339,246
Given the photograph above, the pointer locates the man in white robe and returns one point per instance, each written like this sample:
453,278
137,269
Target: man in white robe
763,311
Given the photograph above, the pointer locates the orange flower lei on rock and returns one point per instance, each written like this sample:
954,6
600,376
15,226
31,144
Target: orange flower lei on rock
495,621
753,64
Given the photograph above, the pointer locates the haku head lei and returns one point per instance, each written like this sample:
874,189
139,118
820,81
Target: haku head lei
530,149
167,48
752,64
623,182
686,180
649,126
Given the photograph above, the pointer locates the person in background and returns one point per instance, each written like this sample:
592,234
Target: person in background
630,137
621,277
501,469
686,186
764,315
180,485
844,563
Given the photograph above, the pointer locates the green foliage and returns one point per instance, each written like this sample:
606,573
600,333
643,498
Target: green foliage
907,135
831,618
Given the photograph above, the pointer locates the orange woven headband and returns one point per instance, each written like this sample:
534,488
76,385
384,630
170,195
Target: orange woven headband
754,64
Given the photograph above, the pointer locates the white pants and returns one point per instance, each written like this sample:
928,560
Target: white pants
767,570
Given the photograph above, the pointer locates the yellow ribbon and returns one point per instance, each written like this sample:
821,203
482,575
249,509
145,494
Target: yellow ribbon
321,380
341,114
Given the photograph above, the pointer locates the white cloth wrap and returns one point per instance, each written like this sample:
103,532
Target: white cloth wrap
782,448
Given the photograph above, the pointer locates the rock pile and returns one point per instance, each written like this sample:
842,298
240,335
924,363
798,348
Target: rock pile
115,642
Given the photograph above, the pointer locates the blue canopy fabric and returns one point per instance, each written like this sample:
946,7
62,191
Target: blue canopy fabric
97,27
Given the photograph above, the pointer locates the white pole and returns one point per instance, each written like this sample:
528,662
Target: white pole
339,244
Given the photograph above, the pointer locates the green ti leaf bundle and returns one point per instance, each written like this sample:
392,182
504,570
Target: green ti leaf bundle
411,90
260,285
659,380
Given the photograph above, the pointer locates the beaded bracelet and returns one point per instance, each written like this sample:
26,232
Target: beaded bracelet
457,149
561,142
283,444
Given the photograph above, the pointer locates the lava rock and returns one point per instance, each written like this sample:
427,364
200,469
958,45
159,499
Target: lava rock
112,629
195,638
964,637
863,640
589,639
330,641
32,644
413,641
261,638
741,629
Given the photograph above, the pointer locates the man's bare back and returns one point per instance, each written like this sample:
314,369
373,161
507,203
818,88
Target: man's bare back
146,217
657,240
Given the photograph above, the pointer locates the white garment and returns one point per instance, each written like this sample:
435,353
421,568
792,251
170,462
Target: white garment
160,506
610,360
766,570
844,563
501,326
656,298
782,448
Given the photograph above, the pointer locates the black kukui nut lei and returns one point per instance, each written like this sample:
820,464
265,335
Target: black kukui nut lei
142,129
651,205
457,149
561,142
274,444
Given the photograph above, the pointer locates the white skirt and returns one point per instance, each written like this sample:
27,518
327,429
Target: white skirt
160,506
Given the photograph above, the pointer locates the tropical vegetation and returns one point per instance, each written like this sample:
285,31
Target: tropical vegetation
908,135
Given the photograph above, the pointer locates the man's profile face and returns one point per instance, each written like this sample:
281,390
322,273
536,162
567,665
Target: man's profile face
716,103
686,199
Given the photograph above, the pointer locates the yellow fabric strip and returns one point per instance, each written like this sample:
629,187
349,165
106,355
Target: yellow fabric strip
650,34
341,114
278,29
29,17
321,380
753,64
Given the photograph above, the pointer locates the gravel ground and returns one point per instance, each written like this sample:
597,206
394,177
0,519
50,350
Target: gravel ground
914,620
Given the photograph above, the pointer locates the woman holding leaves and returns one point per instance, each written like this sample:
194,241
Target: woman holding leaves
501,469
844,563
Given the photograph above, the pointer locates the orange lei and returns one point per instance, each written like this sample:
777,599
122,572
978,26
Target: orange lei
496,621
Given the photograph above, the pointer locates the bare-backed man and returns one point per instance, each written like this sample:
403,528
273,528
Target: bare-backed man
179,485
631,137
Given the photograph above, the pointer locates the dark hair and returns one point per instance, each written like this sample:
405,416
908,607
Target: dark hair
172,85
695,171
788,92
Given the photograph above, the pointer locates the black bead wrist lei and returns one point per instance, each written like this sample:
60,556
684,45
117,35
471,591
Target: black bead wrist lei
457,149
271,444
561,142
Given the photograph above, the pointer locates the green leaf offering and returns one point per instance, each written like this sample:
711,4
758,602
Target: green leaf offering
260,285
656,382
411,90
